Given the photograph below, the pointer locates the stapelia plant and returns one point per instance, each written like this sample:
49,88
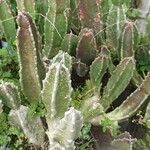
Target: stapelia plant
102,97
54,92
98,34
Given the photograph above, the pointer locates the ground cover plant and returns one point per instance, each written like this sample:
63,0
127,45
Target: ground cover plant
74,74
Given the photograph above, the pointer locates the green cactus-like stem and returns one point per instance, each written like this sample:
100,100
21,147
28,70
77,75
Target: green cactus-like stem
32,128
91,108
38,45
56,26
69,44
143,7
27,5
137,79
41,10
64,58
80,68
118,81
62,133
20,5
132,103
97,70
115,20
129,39
129,107
106,53
118,2
86,50
75,22
32,70
9,95
56,91
7,22
146,118
90,15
